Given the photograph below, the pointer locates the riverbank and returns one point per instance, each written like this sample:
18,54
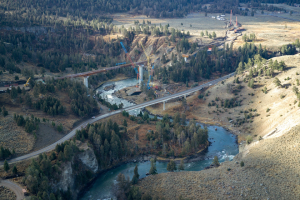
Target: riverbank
100,173
119,77
270,172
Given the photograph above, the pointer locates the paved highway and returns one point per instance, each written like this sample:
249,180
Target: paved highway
138,106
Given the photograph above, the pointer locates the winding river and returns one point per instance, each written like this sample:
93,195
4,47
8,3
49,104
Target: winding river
223,145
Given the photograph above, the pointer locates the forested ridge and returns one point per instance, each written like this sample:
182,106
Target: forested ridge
153,8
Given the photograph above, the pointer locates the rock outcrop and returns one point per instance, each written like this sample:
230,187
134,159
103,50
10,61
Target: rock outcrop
88,158
68,174
67,178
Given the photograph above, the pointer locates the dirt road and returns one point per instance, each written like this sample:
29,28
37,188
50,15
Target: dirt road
14,187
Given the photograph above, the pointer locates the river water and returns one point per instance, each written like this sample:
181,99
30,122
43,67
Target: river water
223,145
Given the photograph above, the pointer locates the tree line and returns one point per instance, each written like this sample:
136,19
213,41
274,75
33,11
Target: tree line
50,105
29,123
203,64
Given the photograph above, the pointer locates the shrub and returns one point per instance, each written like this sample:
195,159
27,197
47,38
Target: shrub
268,109
200,96
249,139
60,128
277,82
4,112
242,164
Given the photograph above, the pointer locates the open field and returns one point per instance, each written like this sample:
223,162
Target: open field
270,30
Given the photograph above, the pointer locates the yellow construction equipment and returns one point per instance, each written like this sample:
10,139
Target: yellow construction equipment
27,83
150,70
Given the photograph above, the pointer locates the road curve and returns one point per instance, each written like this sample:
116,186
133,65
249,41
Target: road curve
138,106
13,187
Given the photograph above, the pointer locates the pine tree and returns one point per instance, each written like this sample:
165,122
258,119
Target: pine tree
181,166
136,175
153,170
163,59
125,123
15,170
214,35
6,166
4,112
216,161
52,196
171,166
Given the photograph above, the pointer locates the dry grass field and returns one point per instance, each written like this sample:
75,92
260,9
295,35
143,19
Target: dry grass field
271,31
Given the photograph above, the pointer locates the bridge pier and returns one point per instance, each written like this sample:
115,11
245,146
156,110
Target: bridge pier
141,73
184,96
164,105
86,81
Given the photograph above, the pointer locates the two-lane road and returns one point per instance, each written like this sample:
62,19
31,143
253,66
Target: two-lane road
138,106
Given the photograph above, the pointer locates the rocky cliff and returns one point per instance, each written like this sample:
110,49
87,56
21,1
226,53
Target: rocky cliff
69,170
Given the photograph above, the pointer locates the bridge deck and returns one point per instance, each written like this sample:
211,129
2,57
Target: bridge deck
89,73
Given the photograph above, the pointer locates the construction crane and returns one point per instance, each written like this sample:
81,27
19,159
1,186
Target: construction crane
27,83
150,70
150,77
128,56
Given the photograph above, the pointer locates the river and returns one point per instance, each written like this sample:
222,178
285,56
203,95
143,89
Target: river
223,145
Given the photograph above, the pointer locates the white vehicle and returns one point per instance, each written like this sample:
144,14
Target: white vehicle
93,117
210,84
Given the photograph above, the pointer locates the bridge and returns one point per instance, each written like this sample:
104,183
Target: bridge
86,75
134,107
